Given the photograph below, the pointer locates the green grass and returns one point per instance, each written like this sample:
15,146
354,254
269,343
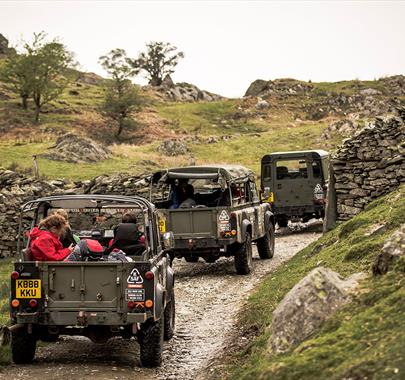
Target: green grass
366,339
219,117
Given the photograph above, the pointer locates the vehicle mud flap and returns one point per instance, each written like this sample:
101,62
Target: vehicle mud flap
159,302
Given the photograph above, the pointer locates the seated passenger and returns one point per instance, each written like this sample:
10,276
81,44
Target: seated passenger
68,238
127,236
45,241
189,197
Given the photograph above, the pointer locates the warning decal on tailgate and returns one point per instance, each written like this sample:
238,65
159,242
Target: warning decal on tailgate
223,216
135,277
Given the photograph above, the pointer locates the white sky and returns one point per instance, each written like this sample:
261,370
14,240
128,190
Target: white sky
227,44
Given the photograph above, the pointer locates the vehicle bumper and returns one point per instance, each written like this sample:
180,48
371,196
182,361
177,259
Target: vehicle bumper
191,244
82,318
298,211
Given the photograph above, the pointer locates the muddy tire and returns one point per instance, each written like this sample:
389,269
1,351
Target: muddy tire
151,343
265,245
170,318
23,346
243,256
191,259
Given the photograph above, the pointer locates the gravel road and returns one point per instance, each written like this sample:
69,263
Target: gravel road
208,297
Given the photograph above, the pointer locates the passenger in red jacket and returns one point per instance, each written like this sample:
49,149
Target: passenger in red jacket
45,240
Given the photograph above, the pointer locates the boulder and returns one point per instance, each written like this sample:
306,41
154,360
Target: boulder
307,305
173,148
393,249
74,148
262,104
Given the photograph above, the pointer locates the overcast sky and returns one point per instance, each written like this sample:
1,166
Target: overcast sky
227,44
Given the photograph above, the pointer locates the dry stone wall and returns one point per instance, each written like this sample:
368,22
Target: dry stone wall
16,189
369,164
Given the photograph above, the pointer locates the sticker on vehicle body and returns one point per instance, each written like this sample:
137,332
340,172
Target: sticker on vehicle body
223,216
135,294
225,227
135,277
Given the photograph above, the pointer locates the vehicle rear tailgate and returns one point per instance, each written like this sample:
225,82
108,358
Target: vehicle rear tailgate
195,223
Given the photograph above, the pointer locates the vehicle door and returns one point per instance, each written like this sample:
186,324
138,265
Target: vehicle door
293,182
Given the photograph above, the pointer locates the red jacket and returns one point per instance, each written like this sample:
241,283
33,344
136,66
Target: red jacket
46,246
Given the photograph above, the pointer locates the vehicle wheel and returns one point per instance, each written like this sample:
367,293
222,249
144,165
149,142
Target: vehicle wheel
191,259
151,342
170,318
23,346
243,256
265,245
282,222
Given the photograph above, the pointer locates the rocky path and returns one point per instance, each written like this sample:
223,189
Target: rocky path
207,300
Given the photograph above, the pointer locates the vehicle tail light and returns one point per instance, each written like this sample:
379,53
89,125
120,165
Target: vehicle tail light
131,304
33,303
15,275
148,303
149,275
15,303
233,215
233,232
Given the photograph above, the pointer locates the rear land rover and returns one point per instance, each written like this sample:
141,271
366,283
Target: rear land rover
97,297
295,184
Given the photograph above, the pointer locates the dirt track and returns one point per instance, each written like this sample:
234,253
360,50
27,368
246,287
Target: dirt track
207,300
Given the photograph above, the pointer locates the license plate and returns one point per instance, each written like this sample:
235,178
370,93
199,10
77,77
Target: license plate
28,289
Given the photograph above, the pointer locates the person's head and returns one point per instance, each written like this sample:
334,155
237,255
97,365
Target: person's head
129,217
62,212
54,223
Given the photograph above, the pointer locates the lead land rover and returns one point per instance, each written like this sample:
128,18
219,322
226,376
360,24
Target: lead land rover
295,184
96,297
223,219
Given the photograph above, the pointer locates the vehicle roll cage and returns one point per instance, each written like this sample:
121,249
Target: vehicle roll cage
101,200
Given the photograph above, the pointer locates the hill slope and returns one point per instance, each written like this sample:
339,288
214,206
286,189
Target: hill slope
286,115
366,339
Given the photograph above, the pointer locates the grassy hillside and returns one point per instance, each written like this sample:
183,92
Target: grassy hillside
289,122
366,339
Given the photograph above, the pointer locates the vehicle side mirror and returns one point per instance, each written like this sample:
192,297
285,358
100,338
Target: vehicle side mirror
168,240
266,192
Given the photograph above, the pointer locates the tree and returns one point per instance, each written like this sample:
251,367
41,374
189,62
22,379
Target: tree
51,62
121,97
16,71
159,60
39,71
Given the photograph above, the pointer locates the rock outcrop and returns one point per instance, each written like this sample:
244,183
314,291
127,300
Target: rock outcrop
286,86
3,44
393,250
370,164
73,148
184,92
307,305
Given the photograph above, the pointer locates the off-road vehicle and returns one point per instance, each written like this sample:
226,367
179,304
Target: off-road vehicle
295,184
96,297
223,218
